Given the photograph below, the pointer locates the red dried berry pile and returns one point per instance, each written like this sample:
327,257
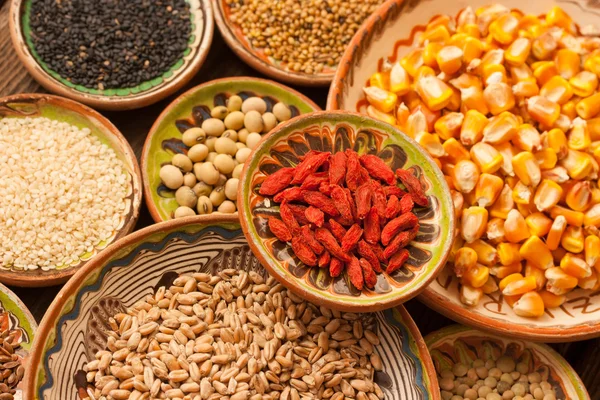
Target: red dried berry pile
343,210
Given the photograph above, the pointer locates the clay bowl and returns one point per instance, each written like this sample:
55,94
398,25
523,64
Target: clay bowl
142,95
61,109
336,131
15,316
256,58
188,110
75,325
458,343
394,26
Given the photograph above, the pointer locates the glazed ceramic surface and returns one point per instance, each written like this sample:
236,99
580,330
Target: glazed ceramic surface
461,344
121,98
257,59
336,131
390,33
75,326
60,109
189,110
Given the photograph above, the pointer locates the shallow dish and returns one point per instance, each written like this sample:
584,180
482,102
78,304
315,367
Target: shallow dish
164,138
74,326
389,33
257,59
332,131
121,98
60,109
458,342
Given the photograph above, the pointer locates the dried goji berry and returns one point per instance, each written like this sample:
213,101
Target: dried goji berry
279,229
324,259
368,273
363,197
309,238
352,237
379,199
292,194
372,227
350,200
310,164
325,188
401,223
277,181
394,190
337,230
303,252
366,251
315,216
326,238
413,185
406,204
337,168
363,176
400,241
353,170
397,260
288,217
393,207
378,251
341,203
355,273
299,213
377,168
335,267
313,181
322,202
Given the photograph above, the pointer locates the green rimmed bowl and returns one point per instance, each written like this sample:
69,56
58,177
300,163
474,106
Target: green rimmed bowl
122,98
189,110
459,343
335,131
61,109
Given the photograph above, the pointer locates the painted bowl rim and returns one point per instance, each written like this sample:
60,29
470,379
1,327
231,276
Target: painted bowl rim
267,68
13,296
55,277
113,102
144,159
313,295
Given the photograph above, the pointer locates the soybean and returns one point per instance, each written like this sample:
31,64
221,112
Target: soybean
202,189
253,121
225,146
171,176
193,136
231,188
207,173
269,122
227,207
217,196
282,112
189,179
254,104
182,162
235,120
252,140
224,163
213,126
183,211
204,205
234,103
219,112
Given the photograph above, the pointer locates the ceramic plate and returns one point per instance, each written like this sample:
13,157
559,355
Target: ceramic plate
57,108
336,131
461,344
74,327
189,110
124,98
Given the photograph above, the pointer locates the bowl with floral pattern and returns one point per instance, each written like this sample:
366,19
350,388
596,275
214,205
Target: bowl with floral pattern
335,132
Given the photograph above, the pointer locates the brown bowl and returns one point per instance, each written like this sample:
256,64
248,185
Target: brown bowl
61,109
122,98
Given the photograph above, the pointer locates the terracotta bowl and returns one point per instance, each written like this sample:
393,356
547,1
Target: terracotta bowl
257,59
458,343
142,95
336,131
15,316
189,110
75,326
60,109
389,33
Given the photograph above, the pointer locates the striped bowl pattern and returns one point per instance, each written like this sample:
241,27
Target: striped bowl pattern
75,326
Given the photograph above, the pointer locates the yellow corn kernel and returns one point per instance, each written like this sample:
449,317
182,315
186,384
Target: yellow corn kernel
381,99
562,122
437,33
473,223
527,138
470,296
449,125
522,194
444,20
557,90
543,71
575,266
464,260
568,109
502,272
547,195
495,230
412,61
472,49
595,195
488,189
551,300
543,46
431,143
493,56
537,274
579,136
520,286
525,209
486,253
472,128
557,141
402,115
577,164
538,223
559,282
500,129
504,29
567,63
537,253
518,51
437,162
508,253
380,80
380,115
592,216
579,196
457,201
521,73
572,239
498,97
511,300
543,110
589,283
477,276
465,176
457,244
487,158
525,89
526,168
430,51
546,158
556,231
515,228
504,282
493,73
574,218
588,107
470,199
558,17
584,83
529,305
399,80
455,151
490,286
503,204
472,99
465,81
449,59
433,91
594,128
507,151
424,71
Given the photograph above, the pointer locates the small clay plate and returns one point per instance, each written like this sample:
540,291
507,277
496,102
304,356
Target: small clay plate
337,131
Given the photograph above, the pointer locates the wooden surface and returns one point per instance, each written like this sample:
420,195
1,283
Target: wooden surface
221,62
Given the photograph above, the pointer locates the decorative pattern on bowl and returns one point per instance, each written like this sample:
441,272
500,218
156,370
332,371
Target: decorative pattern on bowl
326,131
189,110
75,326
461,344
